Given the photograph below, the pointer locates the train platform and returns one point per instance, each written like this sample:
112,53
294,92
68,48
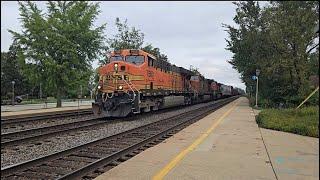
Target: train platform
23,107
227,144
40,111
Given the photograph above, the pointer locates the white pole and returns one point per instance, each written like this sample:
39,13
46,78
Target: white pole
12,93
257,87
81,93
40,92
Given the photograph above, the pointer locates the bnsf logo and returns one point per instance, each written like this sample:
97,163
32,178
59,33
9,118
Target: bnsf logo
118,77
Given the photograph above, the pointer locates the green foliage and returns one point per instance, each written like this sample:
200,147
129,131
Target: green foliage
156,52
277,40
59,45
303,121
11,71
126,38
194,69
130,38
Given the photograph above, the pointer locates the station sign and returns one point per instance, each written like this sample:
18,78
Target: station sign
254,77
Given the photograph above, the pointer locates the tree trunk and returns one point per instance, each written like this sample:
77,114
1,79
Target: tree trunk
58,97
291,80
295,64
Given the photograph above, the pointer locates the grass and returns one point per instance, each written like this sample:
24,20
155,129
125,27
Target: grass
303,121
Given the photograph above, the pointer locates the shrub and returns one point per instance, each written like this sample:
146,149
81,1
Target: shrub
303,121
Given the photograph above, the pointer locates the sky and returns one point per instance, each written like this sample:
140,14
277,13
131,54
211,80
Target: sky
189,33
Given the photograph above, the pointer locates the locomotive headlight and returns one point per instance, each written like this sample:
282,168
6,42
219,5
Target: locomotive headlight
116,67
120,87
99,87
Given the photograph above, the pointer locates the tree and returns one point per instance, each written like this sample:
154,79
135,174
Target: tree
60,45
278,40
126,38
156,52
11,71
130,38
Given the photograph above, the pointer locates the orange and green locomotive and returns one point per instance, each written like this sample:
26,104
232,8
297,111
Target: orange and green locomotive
135,81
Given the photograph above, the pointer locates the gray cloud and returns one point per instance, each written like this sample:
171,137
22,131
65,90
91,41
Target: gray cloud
190,33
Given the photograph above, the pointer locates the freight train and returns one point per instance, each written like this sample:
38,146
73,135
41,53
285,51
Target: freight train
135,81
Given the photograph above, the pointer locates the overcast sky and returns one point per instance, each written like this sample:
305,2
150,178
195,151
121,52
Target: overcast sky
190,33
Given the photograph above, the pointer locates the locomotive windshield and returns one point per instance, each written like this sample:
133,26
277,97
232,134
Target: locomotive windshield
116,58
194,78
137,60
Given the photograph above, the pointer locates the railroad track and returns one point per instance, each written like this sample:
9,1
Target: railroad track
11,121
43,133
91,159
19,137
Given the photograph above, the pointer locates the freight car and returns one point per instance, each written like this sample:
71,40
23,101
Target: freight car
135,81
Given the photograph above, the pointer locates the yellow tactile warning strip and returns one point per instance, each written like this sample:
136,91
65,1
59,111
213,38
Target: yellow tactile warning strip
164,171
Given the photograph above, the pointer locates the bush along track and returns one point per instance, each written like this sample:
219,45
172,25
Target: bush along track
303,121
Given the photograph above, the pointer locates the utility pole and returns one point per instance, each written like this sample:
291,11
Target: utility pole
257,86
13,92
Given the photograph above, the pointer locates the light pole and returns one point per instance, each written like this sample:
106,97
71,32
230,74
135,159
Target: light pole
40,92
12,82
80,91
257,86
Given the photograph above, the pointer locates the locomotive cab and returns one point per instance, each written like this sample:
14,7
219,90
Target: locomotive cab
118,93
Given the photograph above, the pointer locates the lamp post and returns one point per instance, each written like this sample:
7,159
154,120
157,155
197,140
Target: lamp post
12,82
257,86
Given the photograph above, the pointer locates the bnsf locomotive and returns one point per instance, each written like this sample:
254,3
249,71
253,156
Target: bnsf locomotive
135,81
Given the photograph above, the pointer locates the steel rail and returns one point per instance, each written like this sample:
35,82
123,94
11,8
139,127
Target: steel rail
45,132
43,116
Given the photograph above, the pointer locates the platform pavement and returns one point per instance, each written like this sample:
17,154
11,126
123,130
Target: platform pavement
45,110
22,107
293,156
234,149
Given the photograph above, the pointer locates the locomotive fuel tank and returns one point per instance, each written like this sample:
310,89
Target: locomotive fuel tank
171,101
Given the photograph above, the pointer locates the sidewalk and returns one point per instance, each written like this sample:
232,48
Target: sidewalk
293,156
